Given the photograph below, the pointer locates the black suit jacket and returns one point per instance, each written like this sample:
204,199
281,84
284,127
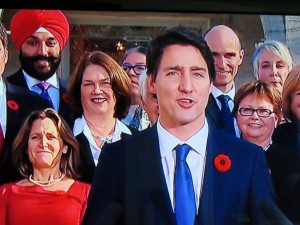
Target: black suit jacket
26,102
129,186
64,109
284,158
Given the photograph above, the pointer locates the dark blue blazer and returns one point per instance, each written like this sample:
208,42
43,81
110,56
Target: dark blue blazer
64,109
27,102
213,113
129,186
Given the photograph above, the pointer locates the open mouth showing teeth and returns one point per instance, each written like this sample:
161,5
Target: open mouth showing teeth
222,72
255,125
99,100
186,100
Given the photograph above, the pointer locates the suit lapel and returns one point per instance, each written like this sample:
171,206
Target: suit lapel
149,160
213,111
205,212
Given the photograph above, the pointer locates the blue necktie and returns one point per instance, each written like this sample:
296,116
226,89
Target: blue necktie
227,118
185,206
44,88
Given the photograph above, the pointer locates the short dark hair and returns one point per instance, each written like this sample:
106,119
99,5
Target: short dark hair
177,35
3,35
120,82
69,163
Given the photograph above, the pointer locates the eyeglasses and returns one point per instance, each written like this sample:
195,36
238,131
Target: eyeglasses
137,69
264,113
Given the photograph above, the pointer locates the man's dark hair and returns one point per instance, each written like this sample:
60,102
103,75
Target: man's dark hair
179,35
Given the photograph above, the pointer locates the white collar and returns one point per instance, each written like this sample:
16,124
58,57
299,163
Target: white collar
168,142
80,125
31,81
217,92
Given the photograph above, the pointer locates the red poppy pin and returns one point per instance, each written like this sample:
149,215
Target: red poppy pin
222,163
12,105
64,97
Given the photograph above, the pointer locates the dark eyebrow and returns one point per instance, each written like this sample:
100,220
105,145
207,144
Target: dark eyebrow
198,68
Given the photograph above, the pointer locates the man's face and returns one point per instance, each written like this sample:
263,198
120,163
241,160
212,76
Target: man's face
182,86
3,57
40,55
228,56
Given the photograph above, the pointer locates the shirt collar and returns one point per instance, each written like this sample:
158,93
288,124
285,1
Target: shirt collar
31,81
2,86
80,125
168,142
217,92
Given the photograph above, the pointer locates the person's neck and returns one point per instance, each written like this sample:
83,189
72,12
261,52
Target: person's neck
225,88
135,100
46,174
100,126
183,131
265,143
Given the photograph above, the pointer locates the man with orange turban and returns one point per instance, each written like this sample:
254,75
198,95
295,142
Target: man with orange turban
40,36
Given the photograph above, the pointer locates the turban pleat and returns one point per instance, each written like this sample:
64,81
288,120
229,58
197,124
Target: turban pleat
26,22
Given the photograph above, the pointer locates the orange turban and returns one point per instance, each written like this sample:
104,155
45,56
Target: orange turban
26,22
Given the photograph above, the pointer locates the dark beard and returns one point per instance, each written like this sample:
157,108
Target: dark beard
27,63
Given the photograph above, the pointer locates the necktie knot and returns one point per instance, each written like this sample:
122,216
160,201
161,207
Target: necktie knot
43,85
224,99
182,152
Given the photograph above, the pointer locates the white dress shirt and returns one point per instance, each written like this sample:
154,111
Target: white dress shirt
195,159
53,89
3,107
216,93
80,125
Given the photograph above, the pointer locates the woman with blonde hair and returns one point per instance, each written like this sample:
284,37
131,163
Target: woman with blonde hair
272,61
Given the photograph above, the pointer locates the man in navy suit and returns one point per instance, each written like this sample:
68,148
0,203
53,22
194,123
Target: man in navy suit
40,36
15,105
228,53
142,179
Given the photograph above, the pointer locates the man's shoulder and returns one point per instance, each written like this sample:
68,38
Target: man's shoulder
14,78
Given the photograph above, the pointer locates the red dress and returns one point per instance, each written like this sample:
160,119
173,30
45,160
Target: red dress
28,205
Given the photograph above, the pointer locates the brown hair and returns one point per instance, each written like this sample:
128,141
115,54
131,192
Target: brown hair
69,162
291,84
263,90
120,82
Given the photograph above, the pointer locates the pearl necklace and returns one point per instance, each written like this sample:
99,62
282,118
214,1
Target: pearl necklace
46,183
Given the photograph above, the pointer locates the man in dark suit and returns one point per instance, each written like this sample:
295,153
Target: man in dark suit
182,170
40,36
15,104
228,54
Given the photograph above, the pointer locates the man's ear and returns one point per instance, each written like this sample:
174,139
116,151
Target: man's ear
241,54
151,84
